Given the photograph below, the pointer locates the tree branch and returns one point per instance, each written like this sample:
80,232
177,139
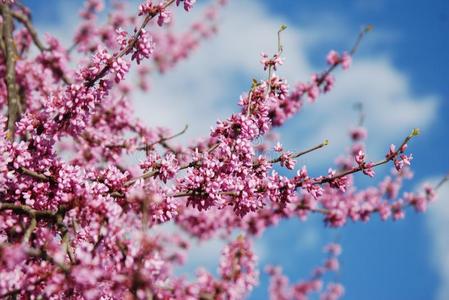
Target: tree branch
442,182
30,229
354,49
35,175
38,214
129,47
414,133
29,26
10,78
296,155
22,18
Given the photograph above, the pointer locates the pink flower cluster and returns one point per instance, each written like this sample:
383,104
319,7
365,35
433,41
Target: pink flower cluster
345,59
281,289
148,8
80,219
188,4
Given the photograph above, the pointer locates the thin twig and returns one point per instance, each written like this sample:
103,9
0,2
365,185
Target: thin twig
354,49
414,133
161,141
128,48
27,23
35,175
30,229
360,37
22,18
65,237
323,144
24,209
2,43
442,182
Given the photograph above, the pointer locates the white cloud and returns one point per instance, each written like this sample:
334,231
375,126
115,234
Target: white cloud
438,223
309,237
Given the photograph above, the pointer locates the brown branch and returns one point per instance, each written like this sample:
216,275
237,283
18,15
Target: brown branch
296,155
442,182
2,43
414,133
38,214
143,176
129,47
155,172
65,238
35,215
185,194
10,78
35,175
22,18
41,253
315,210
354,49
27,23
360,37
30,229
162,141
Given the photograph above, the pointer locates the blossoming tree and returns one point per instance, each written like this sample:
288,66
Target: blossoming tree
77,219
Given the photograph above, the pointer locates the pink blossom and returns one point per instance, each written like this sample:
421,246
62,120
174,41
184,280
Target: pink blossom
313,92
12,256
334,249
368,169
273,62
329,82
169,166
358,134
346,60
333,58
278,147
287,161
332,264
188,4
120,68
360,157
143,48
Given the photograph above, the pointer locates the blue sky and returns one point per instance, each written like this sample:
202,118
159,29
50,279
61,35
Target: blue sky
400,73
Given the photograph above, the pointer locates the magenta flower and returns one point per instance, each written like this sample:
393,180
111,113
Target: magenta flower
333,58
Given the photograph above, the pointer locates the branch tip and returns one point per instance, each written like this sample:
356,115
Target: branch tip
415,132
368,28
282,28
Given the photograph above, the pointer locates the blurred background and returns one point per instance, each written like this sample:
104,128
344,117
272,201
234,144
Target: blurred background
400,74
